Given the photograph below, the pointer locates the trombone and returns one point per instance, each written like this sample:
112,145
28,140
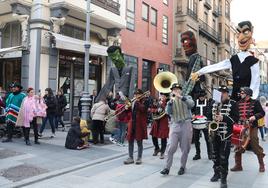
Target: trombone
126,106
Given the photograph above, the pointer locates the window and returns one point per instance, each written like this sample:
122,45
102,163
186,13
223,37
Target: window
74,32
153,16
11,35
206,51
227,9
192,5
165,67
206,17
132,61
220,30
145,12
165,2
165,30
131,14
227,36
214,24
146,75
214,54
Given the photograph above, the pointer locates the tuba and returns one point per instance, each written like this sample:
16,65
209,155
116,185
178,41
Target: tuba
164,80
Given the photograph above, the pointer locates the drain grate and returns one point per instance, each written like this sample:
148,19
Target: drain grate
21,172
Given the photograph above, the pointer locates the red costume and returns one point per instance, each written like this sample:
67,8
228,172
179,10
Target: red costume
137,128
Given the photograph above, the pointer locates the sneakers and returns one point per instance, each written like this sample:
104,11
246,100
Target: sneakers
129,161
53,135
156,151
36,142
165,171
181,171
63,129
28,143
162,156
113,140
138,162
7,140
40,135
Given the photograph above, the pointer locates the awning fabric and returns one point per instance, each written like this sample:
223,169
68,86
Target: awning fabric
10,49
68,43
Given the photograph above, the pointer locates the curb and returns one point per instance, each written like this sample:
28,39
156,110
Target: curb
60,172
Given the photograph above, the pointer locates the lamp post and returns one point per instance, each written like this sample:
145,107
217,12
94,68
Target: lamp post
85,100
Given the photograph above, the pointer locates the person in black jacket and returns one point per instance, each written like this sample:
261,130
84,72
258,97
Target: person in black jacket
224,114
74,136
60,108
50,101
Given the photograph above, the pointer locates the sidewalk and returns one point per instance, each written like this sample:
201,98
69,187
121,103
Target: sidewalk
21,164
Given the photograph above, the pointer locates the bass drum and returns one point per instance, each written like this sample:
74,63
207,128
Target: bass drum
200,122
240,137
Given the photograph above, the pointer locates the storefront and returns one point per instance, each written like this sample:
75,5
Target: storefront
71,78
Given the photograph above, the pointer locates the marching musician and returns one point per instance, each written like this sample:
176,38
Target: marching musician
250,110
137,128
224,114
201,111
160,127
179,109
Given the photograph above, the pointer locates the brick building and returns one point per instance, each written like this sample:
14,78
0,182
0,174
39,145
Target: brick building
147,40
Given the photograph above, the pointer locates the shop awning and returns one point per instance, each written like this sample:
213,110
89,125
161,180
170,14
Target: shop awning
68,43
10,49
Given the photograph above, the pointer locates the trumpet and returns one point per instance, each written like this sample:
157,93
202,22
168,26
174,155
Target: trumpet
126,106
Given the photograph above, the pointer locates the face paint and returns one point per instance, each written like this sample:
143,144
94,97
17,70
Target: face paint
188,43
117,59
244,37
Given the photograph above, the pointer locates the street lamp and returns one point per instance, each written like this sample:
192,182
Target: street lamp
85,100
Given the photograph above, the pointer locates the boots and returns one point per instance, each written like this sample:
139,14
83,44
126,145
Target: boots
223,182
260,159
196,157
238,166
216,175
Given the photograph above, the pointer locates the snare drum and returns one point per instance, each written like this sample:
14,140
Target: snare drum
200,122
240,136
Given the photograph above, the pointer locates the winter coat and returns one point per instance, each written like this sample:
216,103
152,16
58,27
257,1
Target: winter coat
74,137
124,116
61,104
99,111
160,127
51,104
137,128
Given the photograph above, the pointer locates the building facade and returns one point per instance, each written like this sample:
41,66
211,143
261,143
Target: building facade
42,43
147,39
210,21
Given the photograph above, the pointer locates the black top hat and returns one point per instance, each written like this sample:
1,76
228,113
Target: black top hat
247,91
202,93
223,88
16,84
176,85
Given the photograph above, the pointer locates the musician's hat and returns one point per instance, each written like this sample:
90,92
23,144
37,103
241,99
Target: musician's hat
176,85
223,88
247,91
202,93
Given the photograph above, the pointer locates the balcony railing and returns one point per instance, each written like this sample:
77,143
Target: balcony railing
208,32
216,11
110,5
207,4
191,13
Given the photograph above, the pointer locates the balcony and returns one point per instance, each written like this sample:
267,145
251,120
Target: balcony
216,11
208,32
191,13
110,5
207,4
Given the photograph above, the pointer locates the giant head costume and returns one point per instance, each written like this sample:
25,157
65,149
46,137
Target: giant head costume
189,43
244,36
115,54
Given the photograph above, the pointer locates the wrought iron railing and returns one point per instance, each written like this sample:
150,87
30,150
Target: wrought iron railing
209,31
192,13
111,5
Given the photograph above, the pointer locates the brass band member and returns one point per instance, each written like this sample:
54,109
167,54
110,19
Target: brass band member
160,127
137,128
179,109
201,109
251,110
224,114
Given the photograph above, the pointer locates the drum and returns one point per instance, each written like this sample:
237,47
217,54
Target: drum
200,122
240,136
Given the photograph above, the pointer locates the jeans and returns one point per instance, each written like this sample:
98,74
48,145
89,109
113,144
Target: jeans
50,118
131,148
58,120
122,131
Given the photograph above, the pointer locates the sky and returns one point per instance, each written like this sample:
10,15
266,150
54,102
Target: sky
255,11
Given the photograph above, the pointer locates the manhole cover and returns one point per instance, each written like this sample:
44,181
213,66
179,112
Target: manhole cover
22,172
5,153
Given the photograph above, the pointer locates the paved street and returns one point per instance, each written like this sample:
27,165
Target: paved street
102,166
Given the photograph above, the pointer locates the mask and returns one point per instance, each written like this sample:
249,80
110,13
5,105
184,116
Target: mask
244,36
188,41
117,58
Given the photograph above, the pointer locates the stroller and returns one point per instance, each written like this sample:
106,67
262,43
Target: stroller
3,127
